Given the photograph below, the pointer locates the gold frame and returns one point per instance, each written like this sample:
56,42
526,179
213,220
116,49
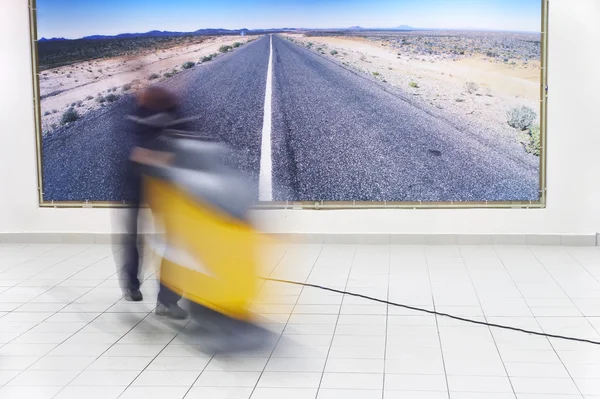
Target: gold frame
316,204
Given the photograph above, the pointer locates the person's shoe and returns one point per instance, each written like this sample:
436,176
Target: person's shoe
173,311
133,295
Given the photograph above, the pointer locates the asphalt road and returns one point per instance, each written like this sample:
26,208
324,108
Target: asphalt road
336,135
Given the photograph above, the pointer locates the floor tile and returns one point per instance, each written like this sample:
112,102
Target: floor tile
154,393
44,377
245,379
352,381
66,332
411,382
270,379
354,365
349,394
162,378
219,393
105,378
29,392
90,392
479,384
561,386
113,363
237,364
295,364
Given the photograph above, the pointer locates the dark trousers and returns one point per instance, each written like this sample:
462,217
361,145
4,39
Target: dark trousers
131,256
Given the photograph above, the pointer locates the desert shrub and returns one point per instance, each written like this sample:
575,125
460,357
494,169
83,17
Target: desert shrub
89,98
376,74
153,76
309,44
459,100
100,99
47,113
237,44
188,65
414,85
69,116
168,74
471,87
521,117
225,48
54,111
532,140
206,58
319,49
333,52
214,55
73,104
126,87
79,103
111,98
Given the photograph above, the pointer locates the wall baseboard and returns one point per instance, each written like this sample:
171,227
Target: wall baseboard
363,239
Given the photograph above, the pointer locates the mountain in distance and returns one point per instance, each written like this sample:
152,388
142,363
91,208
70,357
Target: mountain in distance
52,39
159,33
401,27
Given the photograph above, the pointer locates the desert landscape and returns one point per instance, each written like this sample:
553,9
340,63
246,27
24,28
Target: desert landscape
75,88
489,81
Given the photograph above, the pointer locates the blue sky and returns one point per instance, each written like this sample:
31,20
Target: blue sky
77,18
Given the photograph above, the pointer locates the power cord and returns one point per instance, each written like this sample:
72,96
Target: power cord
433,312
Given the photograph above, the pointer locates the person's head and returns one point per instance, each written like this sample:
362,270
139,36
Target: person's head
157,99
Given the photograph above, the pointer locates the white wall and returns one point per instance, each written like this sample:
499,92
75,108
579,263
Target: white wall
573,153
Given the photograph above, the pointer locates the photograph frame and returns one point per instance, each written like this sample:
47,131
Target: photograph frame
314,205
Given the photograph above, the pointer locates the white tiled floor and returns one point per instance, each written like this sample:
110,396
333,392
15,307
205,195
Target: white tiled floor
65,332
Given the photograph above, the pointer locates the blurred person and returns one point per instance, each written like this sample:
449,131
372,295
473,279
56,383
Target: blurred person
156,114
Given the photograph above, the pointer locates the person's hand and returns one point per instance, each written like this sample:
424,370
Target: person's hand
152,158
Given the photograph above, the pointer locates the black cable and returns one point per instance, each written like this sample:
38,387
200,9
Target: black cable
433,312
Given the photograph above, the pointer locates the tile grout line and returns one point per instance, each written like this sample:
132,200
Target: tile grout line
537,321
287,321
582,266
489,329
588,272
336,322
70,336
39,272
55,312
542,328
437,325
153,358
563,291
387,321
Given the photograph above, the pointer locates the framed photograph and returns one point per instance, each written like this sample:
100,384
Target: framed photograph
324,104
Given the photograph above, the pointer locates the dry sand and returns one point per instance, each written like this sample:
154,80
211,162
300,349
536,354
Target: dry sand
441,83
78,85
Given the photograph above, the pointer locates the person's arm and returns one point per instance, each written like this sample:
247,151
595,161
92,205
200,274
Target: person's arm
149,157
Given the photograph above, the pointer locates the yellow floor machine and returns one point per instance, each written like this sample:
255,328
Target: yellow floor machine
209,249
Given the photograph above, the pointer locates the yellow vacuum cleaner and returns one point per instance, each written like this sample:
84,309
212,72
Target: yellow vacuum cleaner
209,248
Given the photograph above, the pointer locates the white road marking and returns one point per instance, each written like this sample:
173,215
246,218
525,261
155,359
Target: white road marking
265,177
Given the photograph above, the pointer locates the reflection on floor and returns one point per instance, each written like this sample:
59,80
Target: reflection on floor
65,332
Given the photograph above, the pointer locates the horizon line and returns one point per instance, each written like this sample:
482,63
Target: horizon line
398,28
